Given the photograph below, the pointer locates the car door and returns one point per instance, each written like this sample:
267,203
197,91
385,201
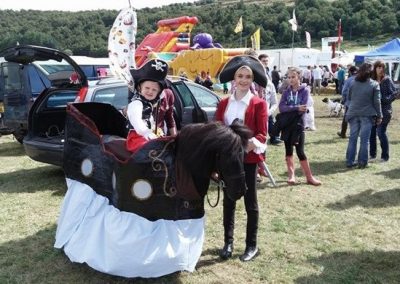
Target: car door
12,77
23,83
187,110
205,98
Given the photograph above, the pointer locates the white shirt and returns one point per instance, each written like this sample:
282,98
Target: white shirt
134,113
236,109
307,74
270,97
317,73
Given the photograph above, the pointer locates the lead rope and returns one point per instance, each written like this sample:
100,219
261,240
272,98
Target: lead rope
220,185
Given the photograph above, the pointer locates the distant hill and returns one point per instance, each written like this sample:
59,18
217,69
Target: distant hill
86,33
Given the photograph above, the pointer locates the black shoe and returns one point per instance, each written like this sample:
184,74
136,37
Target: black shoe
275,142
341,135
362,165
249,254
352,165
226,251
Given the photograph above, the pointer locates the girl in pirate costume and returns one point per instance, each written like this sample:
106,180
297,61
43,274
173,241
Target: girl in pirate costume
150,82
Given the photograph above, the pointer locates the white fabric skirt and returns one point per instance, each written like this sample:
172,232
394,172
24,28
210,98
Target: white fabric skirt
122,243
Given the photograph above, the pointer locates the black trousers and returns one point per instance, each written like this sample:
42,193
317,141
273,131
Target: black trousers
251,205
299,148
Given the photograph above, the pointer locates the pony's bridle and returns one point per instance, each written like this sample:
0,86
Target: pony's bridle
220,182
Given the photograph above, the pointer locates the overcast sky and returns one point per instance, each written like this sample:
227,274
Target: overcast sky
79,5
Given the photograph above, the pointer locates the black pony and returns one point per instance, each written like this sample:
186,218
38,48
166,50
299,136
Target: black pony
167,178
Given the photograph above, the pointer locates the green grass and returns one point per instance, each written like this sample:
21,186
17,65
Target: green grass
345,231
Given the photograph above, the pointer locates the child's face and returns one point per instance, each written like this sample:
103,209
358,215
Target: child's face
149,90
243,79
294,79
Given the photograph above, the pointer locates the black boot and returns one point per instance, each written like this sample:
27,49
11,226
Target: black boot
249,253
226,251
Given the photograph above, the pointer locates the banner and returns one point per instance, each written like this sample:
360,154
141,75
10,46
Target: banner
293,22
339,33
255,40
308,39
239,26
121,45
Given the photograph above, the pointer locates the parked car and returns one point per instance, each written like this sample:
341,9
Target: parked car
44,141
26,71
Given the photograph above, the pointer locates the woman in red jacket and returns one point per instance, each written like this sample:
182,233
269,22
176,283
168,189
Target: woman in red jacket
248,108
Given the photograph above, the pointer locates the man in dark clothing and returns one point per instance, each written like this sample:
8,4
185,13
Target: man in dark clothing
275,78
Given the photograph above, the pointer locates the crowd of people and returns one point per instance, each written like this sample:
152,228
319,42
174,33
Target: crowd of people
367,94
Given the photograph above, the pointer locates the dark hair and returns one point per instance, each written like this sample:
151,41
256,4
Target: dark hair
261,56
353,70
376,65
364,72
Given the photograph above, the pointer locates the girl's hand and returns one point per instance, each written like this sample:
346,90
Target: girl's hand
302,108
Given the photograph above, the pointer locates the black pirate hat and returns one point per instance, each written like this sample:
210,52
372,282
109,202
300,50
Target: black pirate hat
153,70
228,71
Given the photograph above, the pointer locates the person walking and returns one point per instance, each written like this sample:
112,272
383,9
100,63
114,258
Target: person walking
364,110
317,78
248,108
345,92
388,95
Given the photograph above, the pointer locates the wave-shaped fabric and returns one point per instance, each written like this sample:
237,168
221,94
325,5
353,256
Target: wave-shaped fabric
92,231
121,44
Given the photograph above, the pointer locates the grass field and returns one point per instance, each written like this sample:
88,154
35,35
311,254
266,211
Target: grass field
345,231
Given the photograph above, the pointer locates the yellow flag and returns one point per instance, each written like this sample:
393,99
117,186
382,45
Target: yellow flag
255,40
239,26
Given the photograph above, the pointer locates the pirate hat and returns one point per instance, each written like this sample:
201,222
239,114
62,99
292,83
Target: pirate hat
153,70
228,71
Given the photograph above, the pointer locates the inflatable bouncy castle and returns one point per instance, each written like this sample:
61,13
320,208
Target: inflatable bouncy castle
172,35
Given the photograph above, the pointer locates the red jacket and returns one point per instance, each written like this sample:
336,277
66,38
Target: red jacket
255,118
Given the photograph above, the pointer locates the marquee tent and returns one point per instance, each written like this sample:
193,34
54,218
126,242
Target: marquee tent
389,51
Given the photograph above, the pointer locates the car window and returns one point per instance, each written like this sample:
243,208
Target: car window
37,85
12,77
116,96
60,99
93,71
184,94
203,97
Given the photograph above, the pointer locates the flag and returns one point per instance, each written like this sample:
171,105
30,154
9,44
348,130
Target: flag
255,40
308,39
339,33
239,26
293,21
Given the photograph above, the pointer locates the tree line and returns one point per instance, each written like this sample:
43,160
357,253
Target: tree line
86,32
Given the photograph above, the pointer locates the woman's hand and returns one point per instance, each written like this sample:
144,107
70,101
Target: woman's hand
302,108
378,120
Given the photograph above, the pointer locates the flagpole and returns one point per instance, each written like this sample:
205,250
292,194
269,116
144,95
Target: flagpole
292,45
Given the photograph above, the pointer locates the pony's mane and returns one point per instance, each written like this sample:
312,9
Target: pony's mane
197,144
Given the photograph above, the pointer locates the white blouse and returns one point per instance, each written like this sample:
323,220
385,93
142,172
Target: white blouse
134,113
236,109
